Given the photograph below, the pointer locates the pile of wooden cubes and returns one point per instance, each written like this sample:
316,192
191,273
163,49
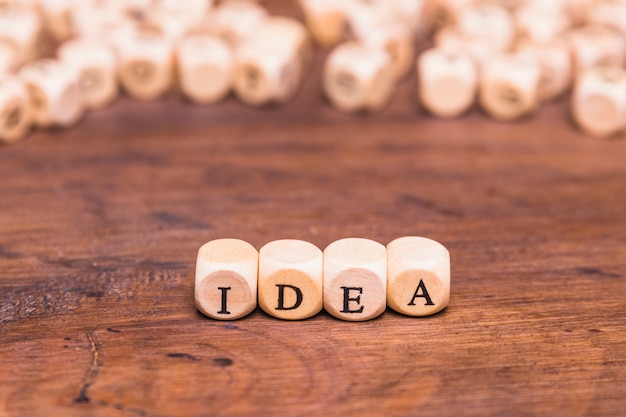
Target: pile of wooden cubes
145,48
508,55
59,58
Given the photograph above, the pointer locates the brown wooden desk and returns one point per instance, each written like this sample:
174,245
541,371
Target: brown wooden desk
100,225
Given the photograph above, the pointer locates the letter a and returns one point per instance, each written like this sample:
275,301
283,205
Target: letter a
424,294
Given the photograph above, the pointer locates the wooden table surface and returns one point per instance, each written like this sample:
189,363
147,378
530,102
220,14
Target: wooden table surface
100,225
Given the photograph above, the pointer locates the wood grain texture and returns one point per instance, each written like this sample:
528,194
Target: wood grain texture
101,225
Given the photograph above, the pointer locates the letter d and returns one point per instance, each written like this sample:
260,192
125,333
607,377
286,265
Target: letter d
281,297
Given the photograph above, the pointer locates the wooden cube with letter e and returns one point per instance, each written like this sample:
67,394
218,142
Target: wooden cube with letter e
355,279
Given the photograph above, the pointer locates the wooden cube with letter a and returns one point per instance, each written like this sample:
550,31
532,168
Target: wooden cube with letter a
418,281
290,279
355,279
226,279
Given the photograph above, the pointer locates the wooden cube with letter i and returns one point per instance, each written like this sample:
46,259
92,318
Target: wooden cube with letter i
226,279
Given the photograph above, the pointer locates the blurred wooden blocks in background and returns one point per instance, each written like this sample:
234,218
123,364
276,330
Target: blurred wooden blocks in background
480,30
290,279
96,19
21,28
226,279
14,109
449,39
610,13
176,19
326,20
596,46
599,101
509,86
53,91
57,18
411,13
355,279
266,74
395,38
205,65
487,23
539,23
146,62
235,20
8,59
447,82
443,12
418,280
95,65
289,34
555,63
358,77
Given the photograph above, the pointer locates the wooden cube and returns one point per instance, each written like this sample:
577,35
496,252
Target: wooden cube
290,279
395,38
265,74
442,13
21,28
176,19
488,23
451,40
14,109
447,82
95,65
358,77
290,34
555,63
537,23
136,9
57,18
364,16
577,10
96,19
355,279
31,4
327,20
418,277
192,11
226,279
235,21
54,93
412,13
205,67
509,86
409,13
8,58
599,101
596,46
146,63
611,13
